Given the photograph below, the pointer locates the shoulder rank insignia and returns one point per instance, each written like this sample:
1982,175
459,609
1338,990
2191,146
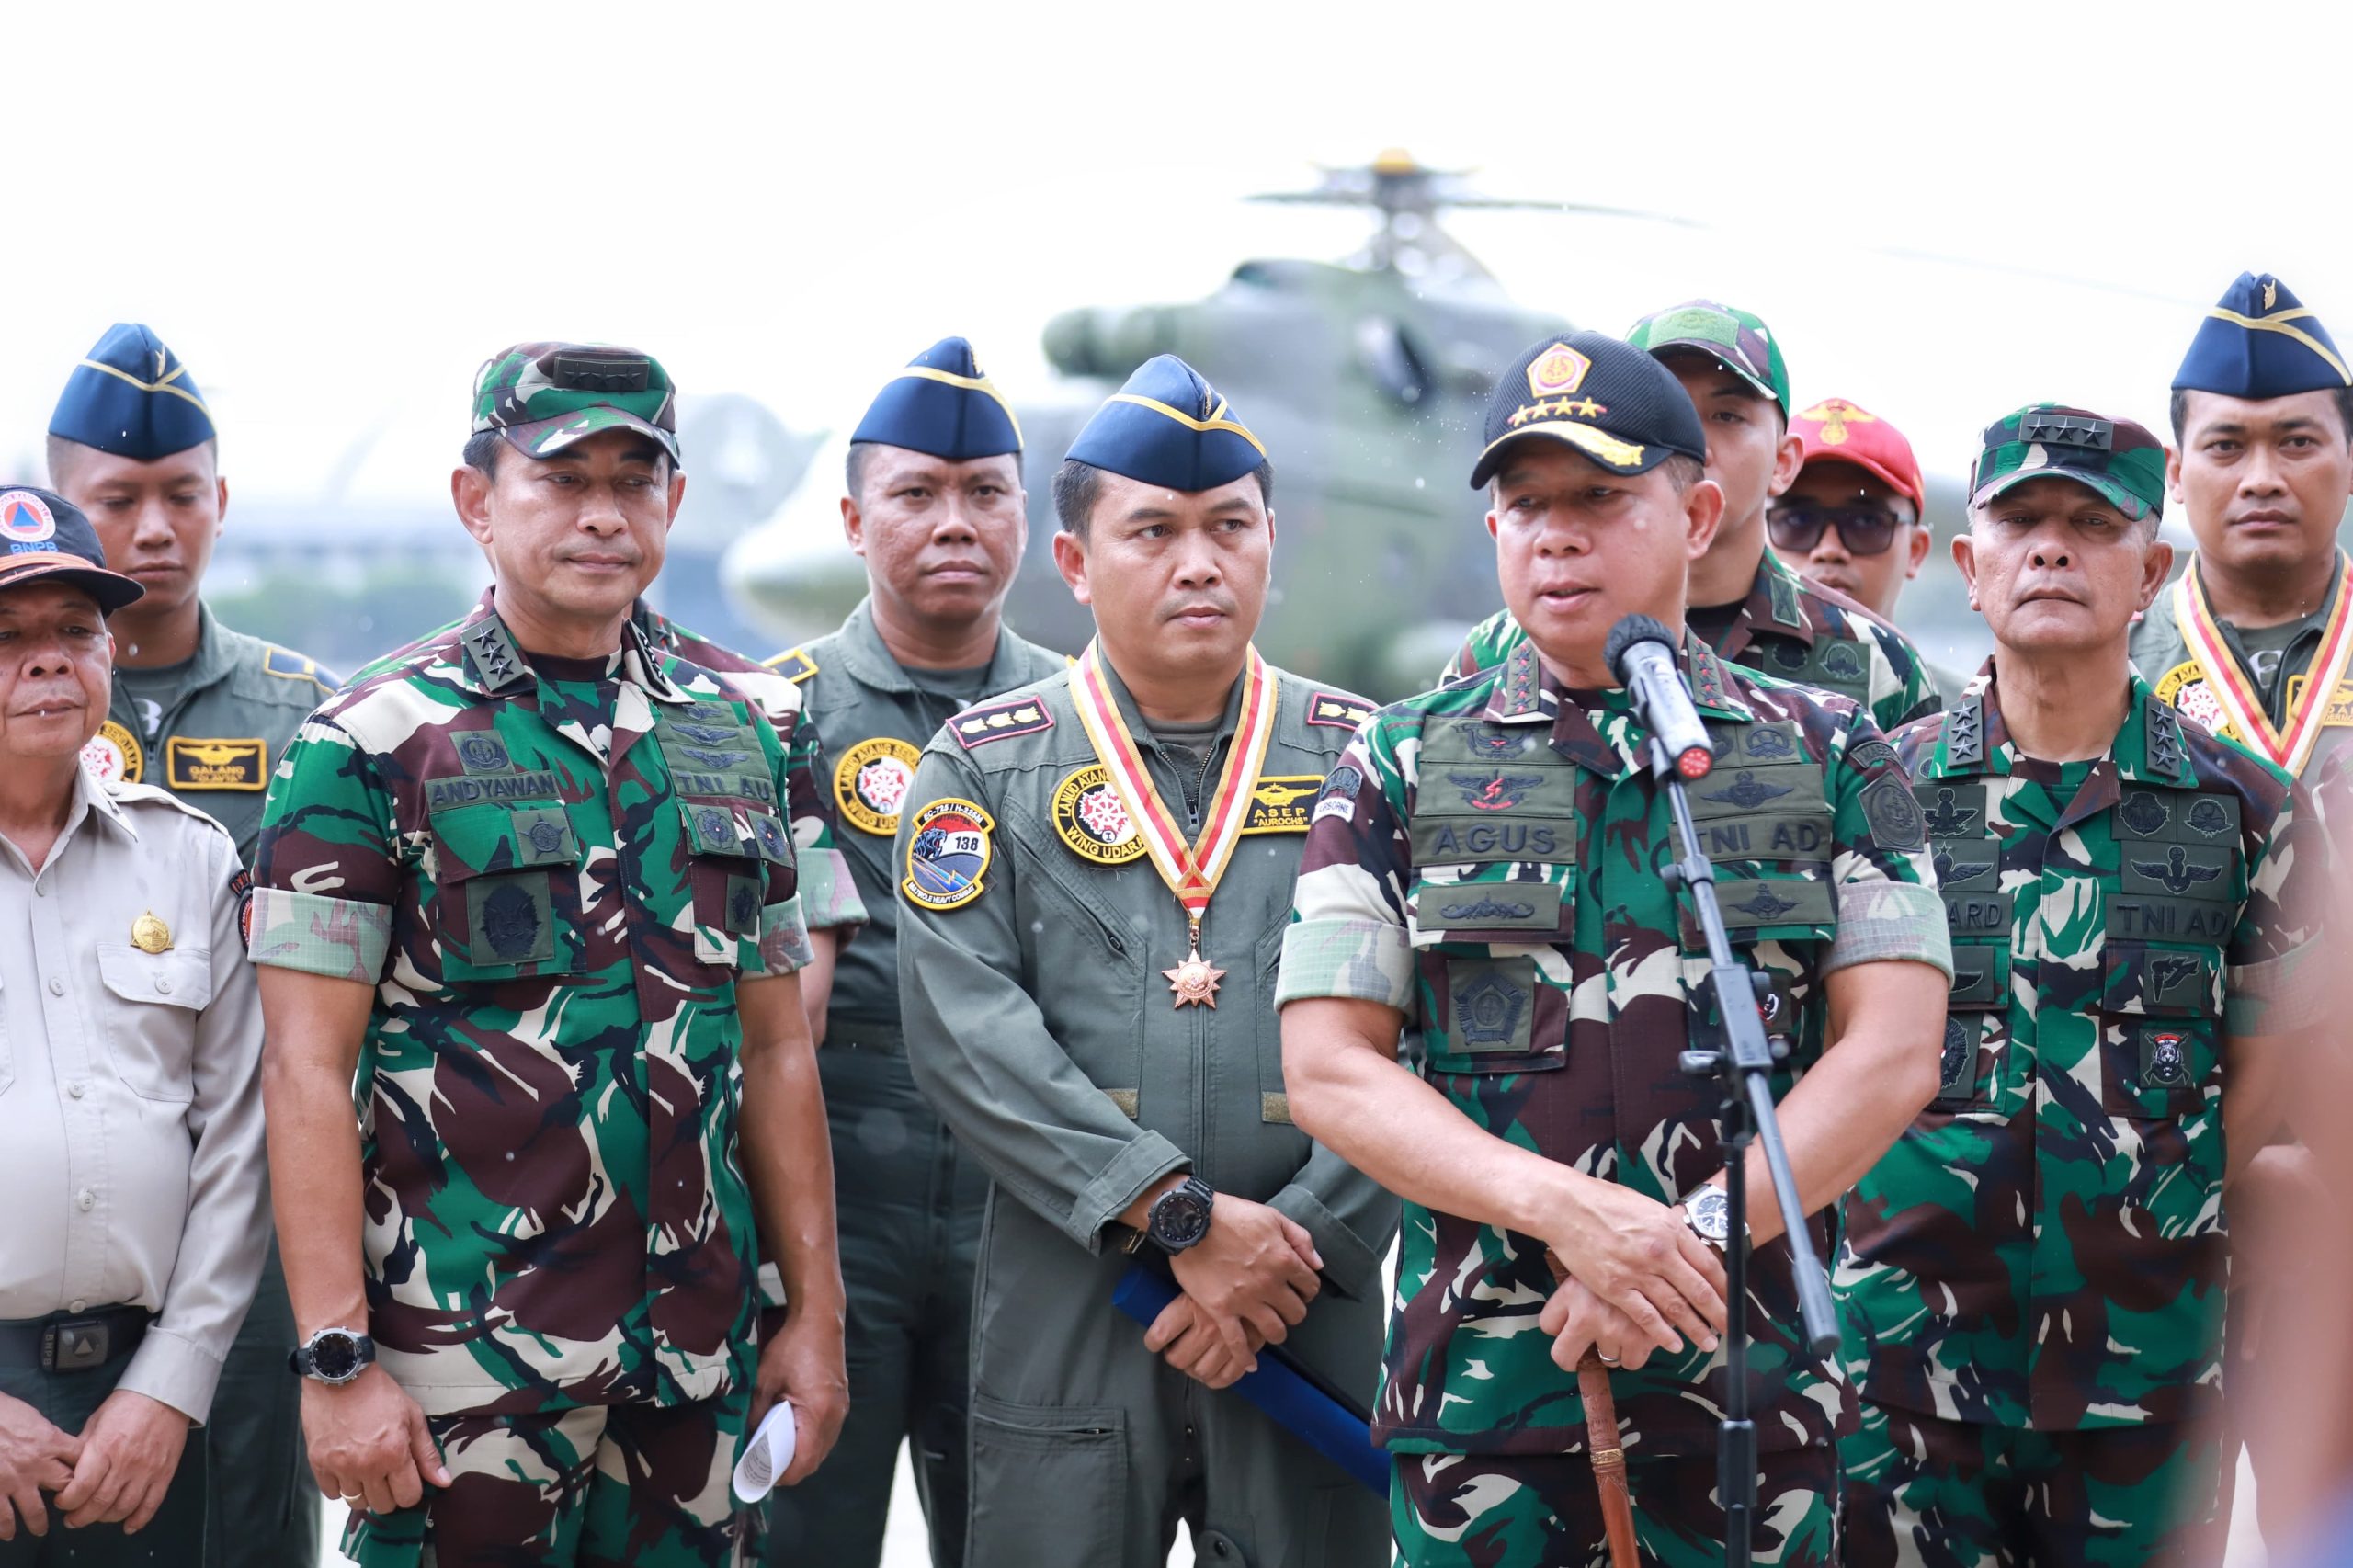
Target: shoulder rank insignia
1336,709
793,663
291,665
1965,732
1000,721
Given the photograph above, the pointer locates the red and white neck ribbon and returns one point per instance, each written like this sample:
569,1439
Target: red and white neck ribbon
2233,689
1190,870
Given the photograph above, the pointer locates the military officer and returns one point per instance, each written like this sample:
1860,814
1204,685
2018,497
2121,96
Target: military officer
935,507
2033,1276
204,712
130,1129
2254,642
198,710
1850,520
1484,869
529,881
1096,872
1744,602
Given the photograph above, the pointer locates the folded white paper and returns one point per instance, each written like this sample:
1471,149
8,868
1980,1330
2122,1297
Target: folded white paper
769,1454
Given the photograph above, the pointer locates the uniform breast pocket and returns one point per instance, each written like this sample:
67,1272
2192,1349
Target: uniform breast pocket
1496,1015
2160,1028
730,846
1977,1026
507,901
151,1014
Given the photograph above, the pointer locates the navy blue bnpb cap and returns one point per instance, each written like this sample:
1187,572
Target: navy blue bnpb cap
132,397
2261,342
1170,428
43,534
942,404
1609,400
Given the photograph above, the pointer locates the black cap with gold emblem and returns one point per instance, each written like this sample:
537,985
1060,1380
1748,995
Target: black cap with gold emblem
1609,400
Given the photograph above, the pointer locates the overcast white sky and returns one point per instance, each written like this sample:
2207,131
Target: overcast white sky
333,213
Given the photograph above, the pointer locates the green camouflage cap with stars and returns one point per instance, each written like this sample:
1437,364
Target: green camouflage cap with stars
2116,459
1738,340
544,396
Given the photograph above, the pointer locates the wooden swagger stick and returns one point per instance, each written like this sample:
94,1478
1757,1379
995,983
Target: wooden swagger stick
1602,1444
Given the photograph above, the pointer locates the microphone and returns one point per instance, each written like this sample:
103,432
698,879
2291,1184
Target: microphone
1641,653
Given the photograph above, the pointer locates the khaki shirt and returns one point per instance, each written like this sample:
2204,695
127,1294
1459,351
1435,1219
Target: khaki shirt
130,1124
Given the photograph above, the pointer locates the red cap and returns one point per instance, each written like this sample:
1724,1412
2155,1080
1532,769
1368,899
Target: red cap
1840,431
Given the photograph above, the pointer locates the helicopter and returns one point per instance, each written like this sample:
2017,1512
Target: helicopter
1366,378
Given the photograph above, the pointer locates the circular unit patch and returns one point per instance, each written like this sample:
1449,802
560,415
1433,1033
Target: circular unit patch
2185,688
872,782
947,853
113,755
1093,821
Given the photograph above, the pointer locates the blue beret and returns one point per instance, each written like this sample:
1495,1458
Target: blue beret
942,404
1170,428
132,397
2260,342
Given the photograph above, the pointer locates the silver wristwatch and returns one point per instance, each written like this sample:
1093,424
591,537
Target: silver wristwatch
1707,1210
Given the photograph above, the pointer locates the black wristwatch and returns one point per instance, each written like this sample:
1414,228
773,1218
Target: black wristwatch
333,1356
1179,1218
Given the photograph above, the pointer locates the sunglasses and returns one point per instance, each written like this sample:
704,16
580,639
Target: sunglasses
1864,530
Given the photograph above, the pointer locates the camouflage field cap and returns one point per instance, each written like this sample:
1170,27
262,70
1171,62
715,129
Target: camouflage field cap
1739,341
2115,458
544,396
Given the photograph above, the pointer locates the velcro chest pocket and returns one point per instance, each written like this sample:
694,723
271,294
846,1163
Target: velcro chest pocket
1494,837
506,890
730,844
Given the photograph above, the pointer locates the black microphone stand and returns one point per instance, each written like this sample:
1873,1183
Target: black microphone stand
1743,1068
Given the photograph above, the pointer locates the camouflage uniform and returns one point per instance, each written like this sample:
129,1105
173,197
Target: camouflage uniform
1789,629
553,872
909,1241
829,900
1039,1025
2032,1277
1486,859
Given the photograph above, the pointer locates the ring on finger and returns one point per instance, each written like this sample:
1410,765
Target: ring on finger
1605,1360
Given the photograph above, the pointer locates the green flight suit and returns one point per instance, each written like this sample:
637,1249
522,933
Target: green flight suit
909,1218
212,739
1040,1026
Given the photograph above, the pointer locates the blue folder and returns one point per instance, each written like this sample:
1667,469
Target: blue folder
1282,1388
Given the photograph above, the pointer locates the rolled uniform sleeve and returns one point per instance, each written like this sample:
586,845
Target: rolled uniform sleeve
2273,980
1348,935
224,1235
327,872
983,1055
1883,885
